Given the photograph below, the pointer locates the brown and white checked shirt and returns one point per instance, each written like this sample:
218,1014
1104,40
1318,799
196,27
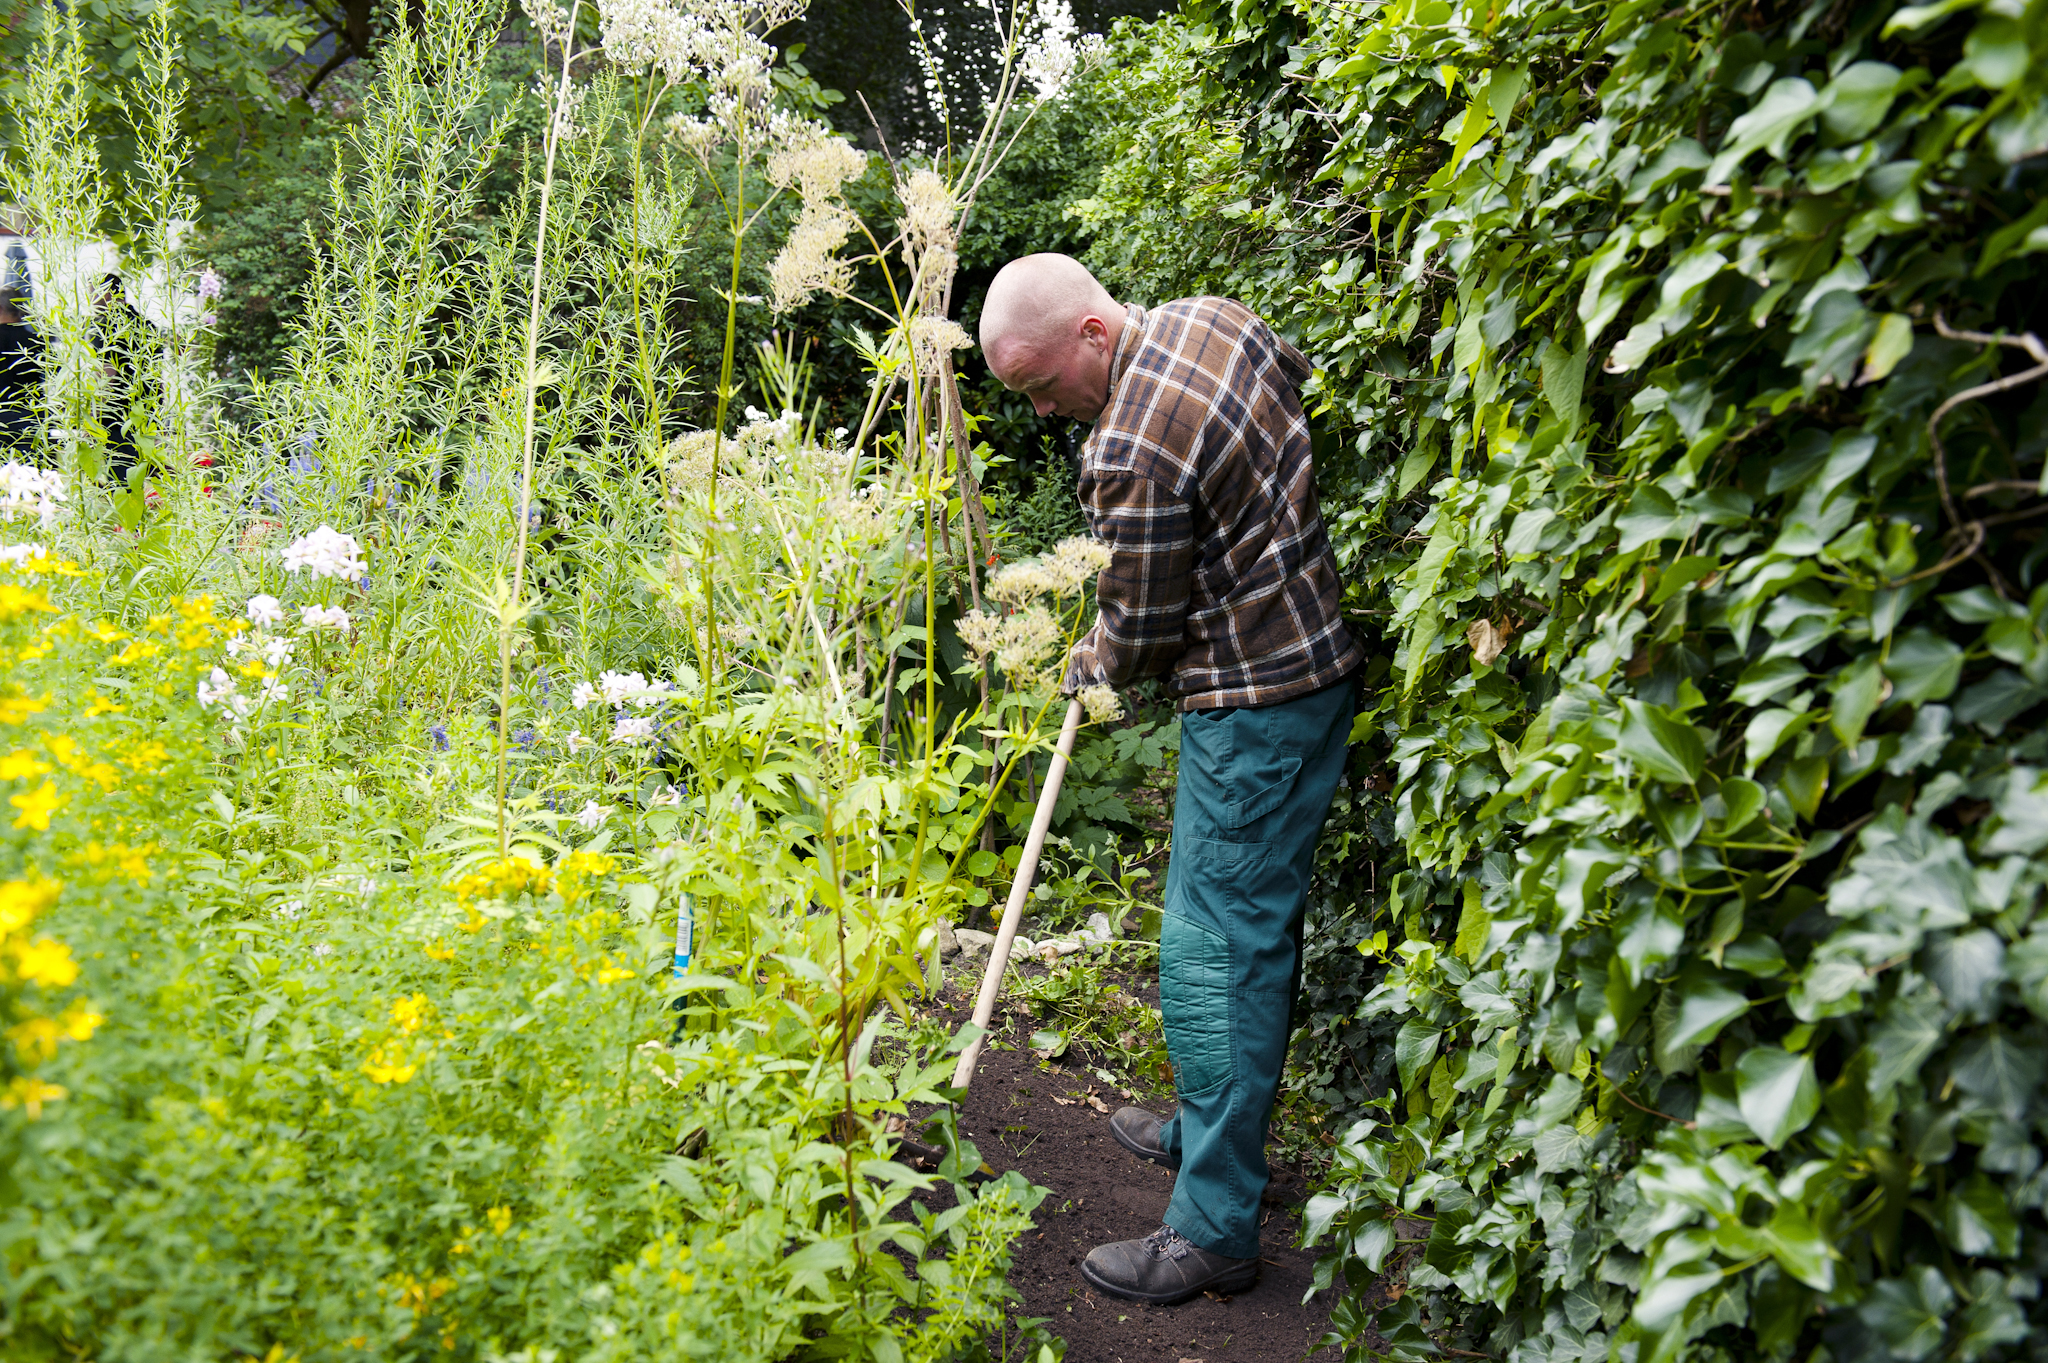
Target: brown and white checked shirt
1198,478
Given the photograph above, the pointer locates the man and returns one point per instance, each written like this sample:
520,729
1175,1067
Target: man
1198,477
21,375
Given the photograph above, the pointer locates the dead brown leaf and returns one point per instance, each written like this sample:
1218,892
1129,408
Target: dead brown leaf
1487,641
1098,1105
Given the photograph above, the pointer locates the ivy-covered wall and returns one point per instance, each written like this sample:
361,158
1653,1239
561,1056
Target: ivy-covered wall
1679,949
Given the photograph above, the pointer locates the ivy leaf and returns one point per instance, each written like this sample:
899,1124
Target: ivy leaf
1909,1314
1977,1219
1858,689
1491,1005
1744,800
1414,1046
1777,1093
2022,812
1691,1013
1564,380
1998,1073
1799,1247
1923,666
1784,109
1762,680
1662,746
1908,1033
1855,101
1968,968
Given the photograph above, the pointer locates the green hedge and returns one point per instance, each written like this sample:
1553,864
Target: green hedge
1679,948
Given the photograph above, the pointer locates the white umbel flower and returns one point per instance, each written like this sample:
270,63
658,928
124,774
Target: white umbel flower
26,490
323,617
593,815
263,609
326,553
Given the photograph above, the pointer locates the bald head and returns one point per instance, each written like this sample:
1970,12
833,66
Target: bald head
1049,330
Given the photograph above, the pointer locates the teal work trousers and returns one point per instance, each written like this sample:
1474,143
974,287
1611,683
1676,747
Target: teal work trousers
1255,787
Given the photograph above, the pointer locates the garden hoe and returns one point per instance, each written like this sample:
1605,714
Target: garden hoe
1006,932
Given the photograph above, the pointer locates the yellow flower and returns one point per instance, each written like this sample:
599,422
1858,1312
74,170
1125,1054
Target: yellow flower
407,1014
102,706
129,861
45,961
16,600
387,1064
15,709
81,1020
146,756
35,1039
575,872
24,1092
138,651
254,669
607,973
500,1219
36,807
106,632
501,880
436,952
22,900
21,764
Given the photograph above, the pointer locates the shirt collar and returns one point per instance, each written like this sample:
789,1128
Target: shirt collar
1127,344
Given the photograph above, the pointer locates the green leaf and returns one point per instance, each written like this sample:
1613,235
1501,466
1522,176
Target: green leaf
1784,109
1762,680
1923,666
1892,343
1916,17
2022,809
1474,926
1996,52
1414,1046
1744,799
1977,1219
1909,1314
1858,689
1564,381
1662,746
1504,90
1489,1001
1777,1093
1699,1005
1999,1073
1854,102
1799,1247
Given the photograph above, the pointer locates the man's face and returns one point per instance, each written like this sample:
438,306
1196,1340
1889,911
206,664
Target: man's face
1067,377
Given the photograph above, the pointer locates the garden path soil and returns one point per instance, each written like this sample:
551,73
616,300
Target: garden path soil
1101,1193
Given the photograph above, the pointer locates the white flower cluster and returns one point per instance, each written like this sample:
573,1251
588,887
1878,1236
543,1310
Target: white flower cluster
218,688
17,554
326,553
933,341
29,491
323,617
1055,48
620,688
1062,573
1101,702
1020,643
817,163
593,815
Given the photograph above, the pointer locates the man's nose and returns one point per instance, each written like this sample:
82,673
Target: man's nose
1042,405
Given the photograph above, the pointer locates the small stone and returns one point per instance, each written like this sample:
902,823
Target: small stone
1059,946
972,941
949,944
1022,947
1098,927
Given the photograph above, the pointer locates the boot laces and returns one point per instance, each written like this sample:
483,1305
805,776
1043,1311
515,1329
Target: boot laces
1168,1242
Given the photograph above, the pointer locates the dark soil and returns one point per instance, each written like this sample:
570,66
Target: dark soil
1015,1115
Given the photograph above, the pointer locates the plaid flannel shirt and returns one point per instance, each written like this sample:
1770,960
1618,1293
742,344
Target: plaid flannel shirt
1198,477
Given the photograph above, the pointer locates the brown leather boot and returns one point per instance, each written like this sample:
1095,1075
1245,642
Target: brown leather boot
1163,1269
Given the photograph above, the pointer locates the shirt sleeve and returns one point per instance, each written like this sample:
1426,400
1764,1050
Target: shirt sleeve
1142,596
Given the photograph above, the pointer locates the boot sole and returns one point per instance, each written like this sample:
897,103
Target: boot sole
1233,1282
1149,1156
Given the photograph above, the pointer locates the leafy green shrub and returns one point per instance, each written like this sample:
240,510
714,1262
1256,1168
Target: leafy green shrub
1694,858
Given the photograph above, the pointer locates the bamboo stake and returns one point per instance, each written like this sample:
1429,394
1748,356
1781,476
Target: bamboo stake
1020,889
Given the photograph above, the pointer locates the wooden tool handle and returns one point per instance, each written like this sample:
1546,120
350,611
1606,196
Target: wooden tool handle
1020,889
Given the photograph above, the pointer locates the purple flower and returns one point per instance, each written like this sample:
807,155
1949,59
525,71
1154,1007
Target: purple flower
523,737
439,733
209,283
